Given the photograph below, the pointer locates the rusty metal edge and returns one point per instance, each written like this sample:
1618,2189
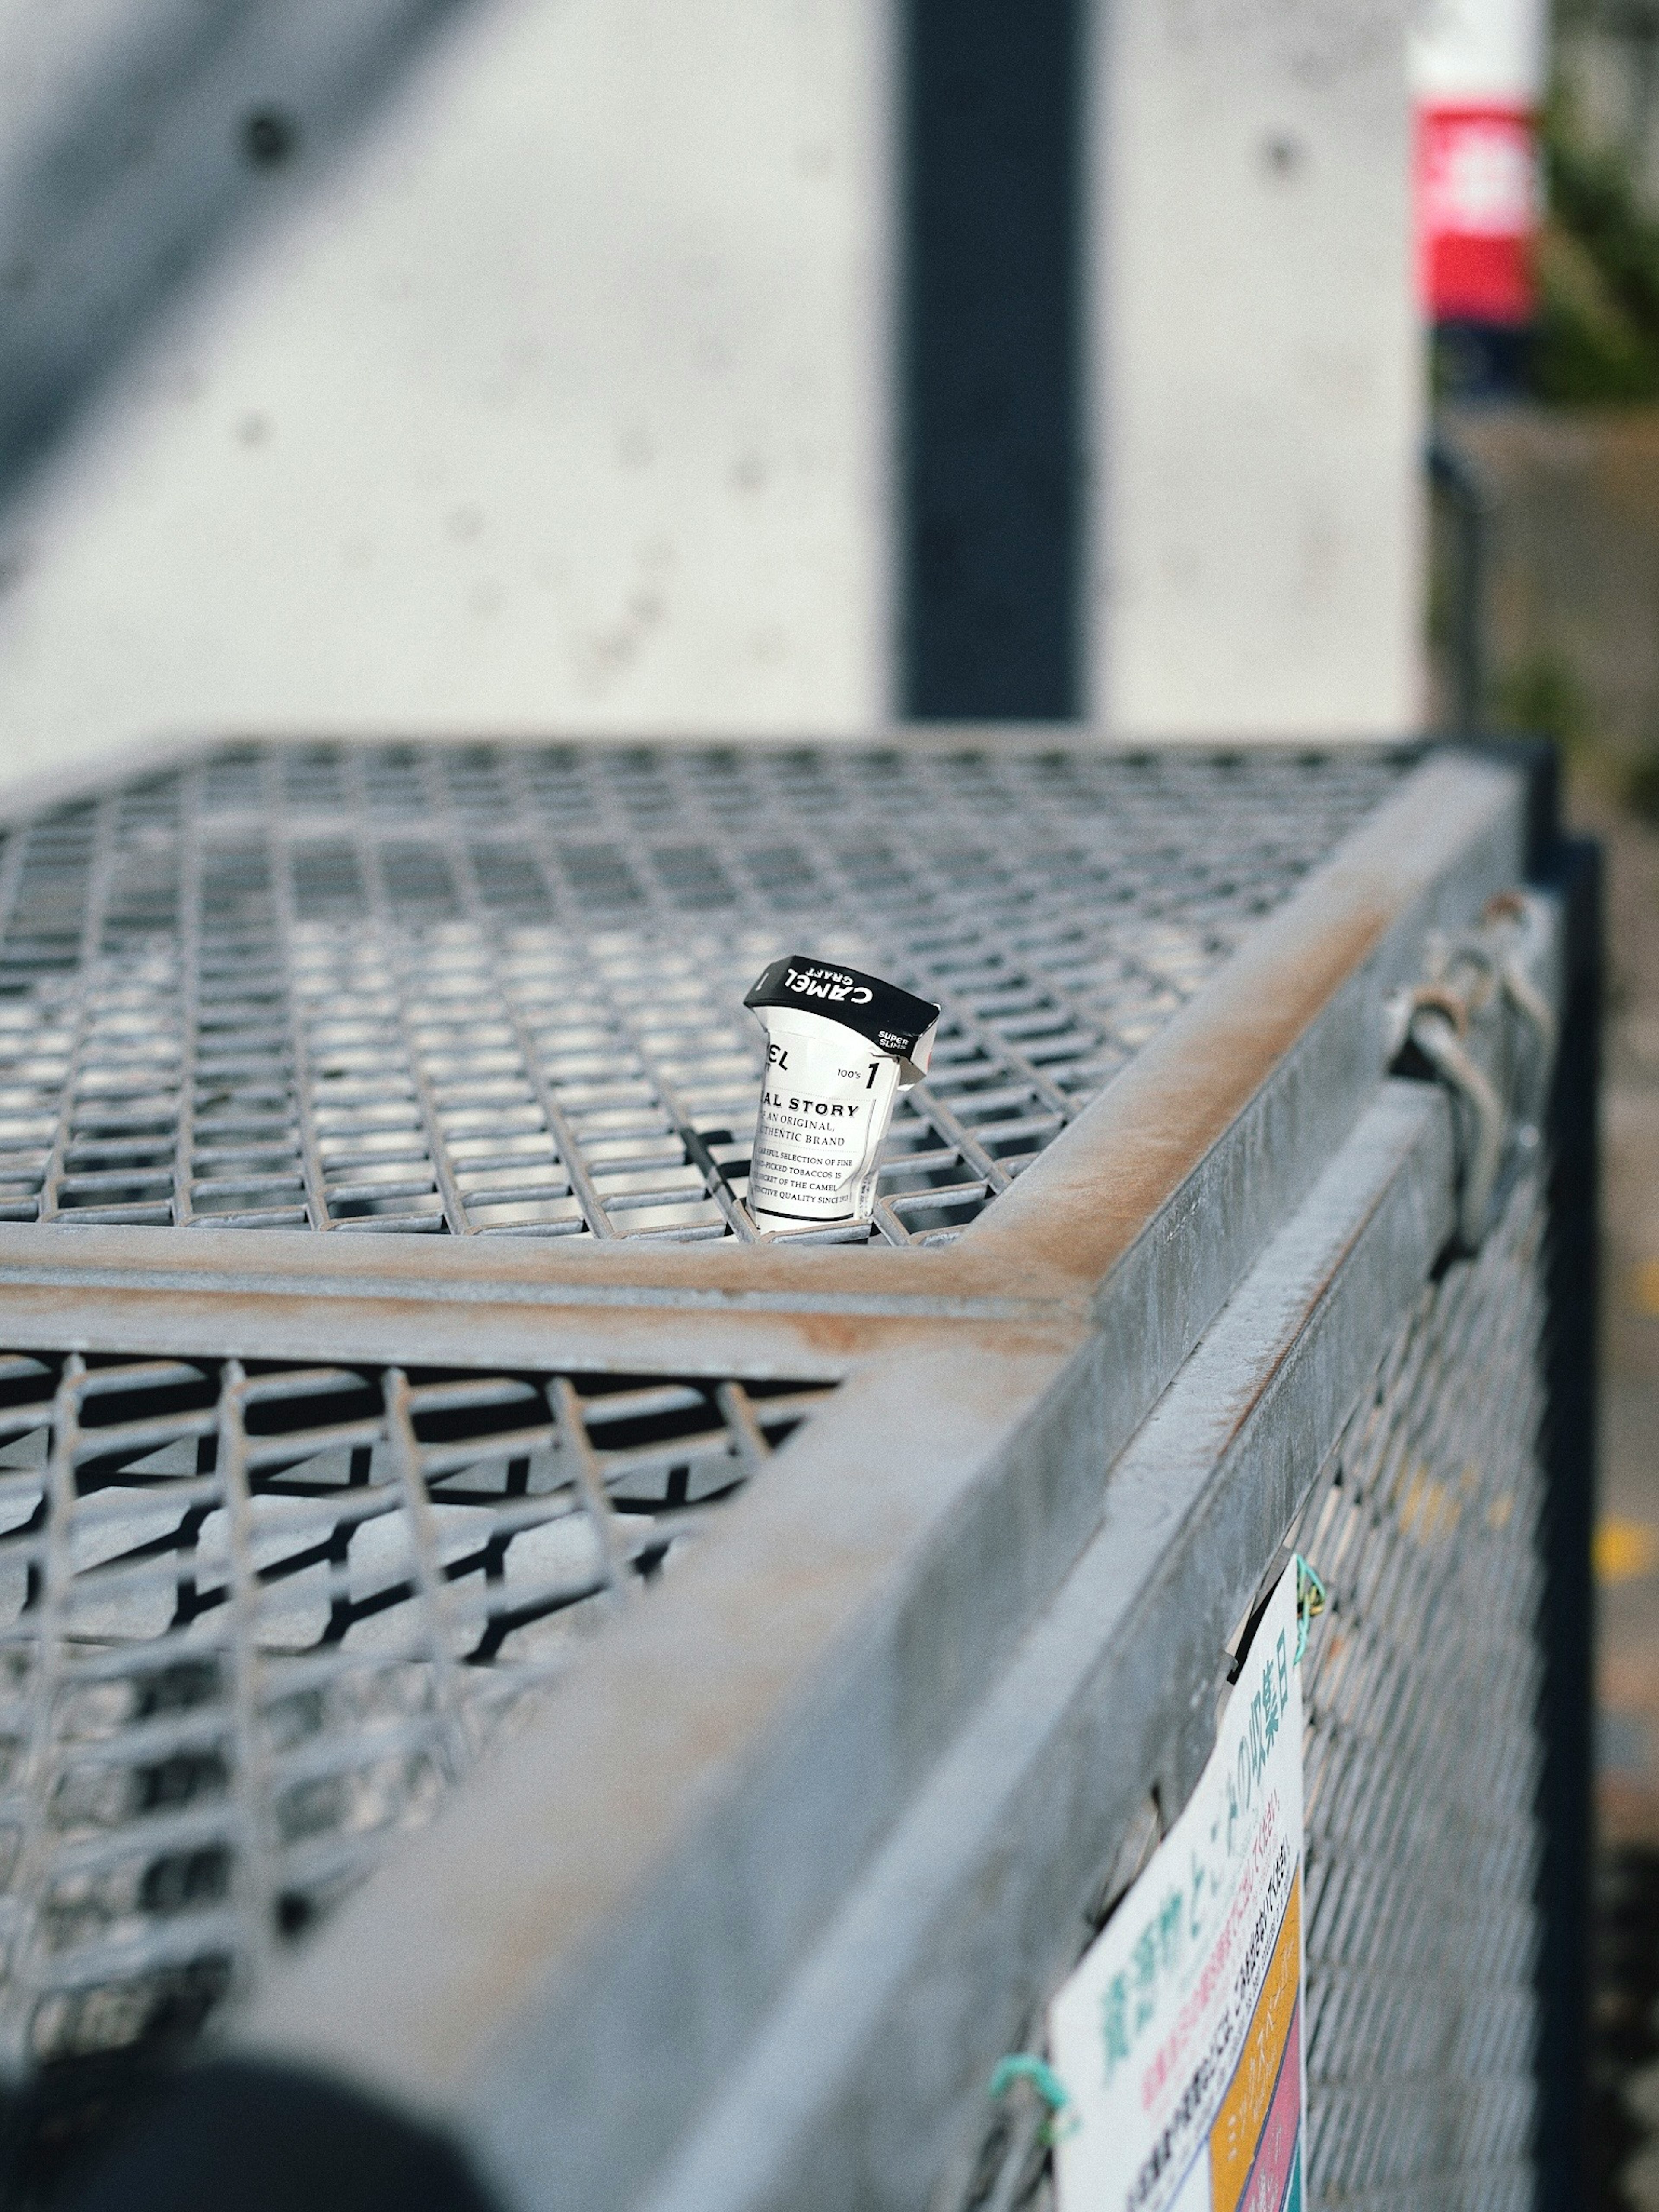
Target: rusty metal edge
217,1319
1083,1203
464,1273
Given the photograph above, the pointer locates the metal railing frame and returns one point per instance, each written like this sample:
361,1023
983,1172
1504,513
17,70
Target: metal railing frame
770,1804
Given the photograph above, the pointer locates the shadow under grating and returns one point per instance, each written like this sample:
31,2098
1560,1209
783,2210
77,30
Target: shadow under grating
256,1619
492,989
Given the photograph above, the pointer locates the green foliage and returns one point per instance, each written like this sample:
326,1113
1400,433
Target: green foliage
1597,336
1642,790
1543,695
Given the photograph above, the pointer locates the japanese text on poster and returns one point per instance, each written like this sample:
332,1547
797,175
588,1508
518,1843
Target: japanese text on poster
1179,2037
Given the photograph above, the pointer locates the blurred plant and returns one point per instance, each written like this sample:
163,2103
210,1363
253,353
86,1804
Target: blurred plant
1642,789
1543,695
1596,340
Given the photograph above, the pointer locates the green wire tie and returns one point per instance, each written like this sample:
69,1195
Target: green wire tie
1310,1601
1026,2066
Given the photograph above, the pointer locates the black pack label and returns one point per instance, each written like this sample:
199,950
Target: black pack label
893,1020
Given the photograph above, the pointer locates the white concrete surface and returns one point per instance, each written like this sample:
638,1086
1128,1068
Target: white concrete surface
1476,50
1258,374
559,403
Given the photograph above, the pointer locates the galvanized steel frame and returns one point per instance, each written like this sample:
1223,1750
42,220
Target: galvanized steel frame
633,1893
850,1779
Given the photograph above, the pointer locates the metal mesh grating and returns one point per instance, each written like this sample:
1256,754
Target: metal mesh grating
1423,1755
1421,1771
254,1620
488,990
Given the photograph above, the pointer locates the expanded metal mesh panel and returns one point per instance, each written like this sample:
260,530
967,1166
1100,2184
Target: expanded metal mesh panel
494,989
255,1619
1423,1755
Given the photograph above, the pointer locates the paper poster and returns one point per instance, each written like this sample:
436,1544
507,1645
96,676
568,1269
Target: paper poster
1179,2037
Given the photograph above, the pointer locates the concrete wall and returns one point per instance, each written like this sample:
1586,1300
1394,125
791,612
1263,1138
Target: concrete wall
1259,379
551,397
545,385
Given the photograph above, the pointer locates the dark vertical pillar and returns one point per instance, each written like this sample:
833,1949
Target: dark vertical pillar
1573,867
990,388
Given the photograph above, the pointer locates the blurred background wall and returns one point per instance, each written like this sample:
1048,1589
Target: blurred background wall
740,365
398,366
1258,383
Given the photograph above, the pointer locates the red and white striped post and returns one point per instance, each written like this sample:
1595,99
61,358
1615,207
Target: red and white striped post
1478,79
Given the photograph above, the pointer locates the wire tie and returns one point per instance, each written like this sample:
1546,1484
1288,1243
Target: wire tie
1310,1601
1026,2066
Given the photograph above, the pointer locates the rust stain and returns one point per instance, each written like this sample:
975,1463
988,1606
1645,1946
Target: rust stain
66,1315
1125,1158
724,1279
